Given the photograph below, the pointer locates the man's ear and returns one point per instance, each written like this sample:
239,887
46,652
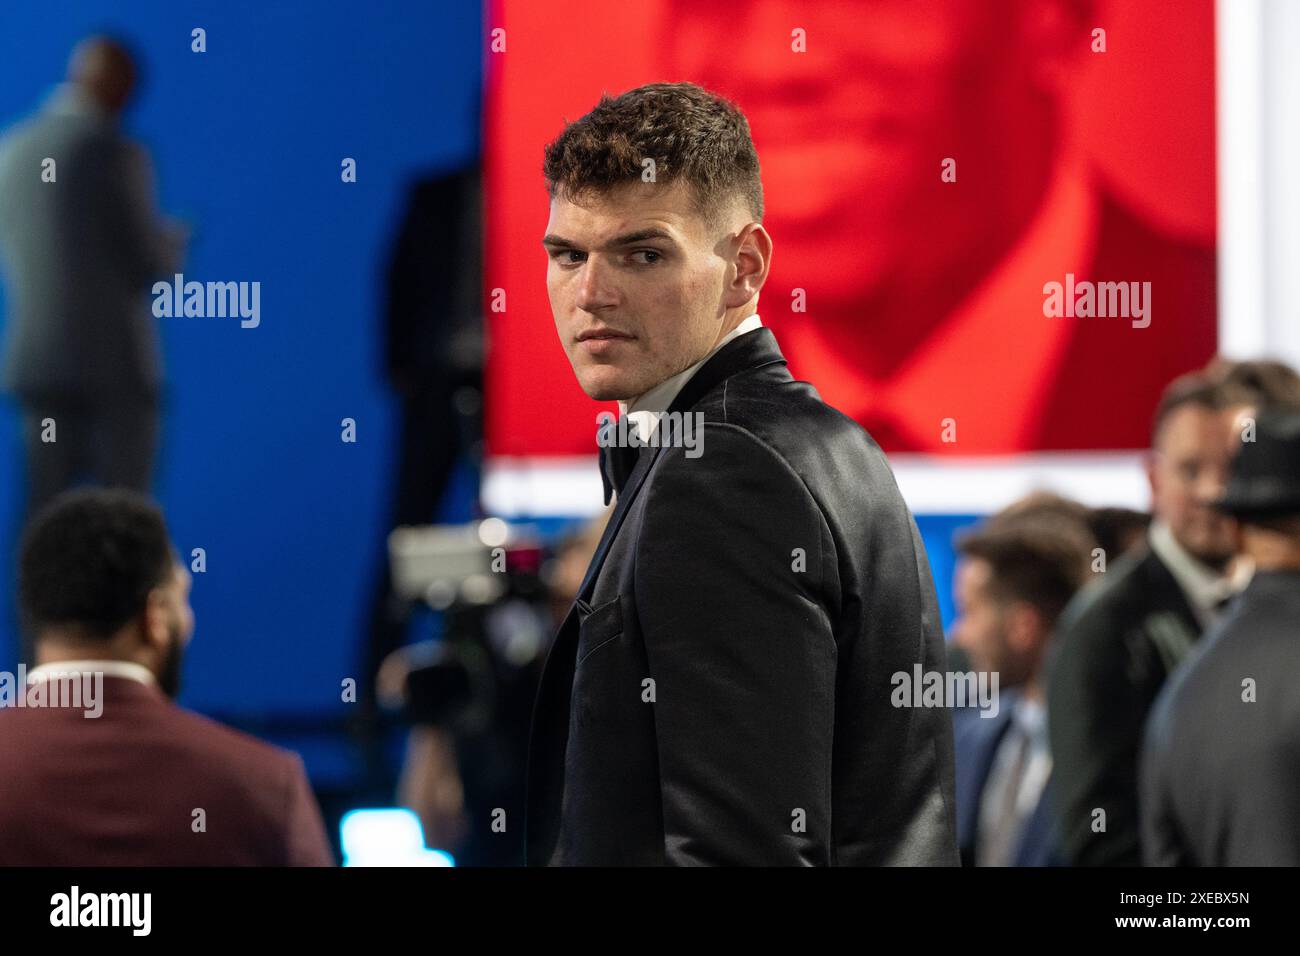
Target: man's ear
752,260
1149,466
1024,628
155,620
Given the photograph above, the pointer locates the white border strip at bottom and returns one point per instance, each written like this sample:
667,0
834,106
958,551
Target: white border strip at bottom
570,487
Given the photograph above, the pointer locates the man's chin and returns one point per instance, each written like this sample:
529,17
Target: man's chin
1213,553
603,388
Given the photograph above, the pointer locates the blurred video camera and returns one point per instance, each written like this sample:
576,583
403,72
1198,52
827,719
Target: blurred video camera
485,578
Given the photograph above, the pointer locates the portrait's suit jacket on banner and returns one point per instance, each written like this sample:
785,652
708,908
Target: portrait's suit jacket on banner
720,693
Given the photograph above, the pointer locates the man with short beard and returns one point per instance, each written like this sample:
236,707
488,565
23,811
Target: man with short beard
142,782
1122,638
1014,576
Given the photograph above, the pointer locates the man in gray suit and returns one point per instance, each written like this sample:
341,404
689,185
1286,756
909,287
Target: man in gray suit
81,242
1221,757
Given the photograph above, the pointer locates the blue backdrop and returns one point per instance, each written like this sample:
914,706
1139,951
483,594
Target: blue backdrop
247,139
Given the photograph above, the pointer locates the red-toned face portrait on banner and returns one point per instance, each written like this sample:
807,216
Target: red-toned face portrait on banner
968,258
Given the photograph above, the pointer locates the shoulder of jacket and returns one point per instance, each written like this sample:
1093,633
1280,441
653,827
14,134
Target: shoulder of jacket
759,454
788,416
235,745
1119,592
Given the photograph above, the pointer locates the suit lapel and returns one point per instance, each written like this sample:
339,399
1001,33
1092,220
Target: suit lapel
548,738
1034,847
981,767
550,727
1175,628
750,351
625,497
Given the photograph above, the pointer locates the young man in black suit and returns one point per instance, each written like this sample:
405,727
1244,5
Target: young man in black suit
722,690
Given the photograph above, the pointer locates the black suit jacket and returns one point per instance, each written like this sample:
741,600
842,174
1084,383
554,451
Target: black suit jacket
1221,774
720,692
1116,644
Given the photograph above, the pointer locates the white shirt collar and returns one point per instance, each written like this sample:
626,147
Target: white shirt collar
644,411
109,668
1203,587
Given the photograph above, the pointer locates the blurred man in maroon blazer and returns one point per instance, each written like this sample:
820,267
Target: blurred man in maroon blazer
930,191
98,766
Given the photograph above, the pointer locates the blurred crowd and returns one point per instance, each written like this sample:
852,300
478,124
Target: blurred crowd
1146,662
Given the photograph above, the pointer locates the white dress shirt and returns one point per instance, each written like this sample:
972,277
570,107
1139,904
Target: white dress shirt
1205,589
1021,766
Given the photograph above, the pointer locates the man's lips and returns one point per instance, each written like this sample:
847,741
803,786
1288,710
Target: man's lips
587,334
600,341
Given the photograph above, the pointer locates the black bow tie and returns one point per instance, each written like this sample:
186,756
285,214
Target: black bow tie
616,464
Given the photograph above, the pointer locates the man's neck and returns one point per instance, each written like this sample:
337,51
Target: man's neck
58,647
660,396
729,324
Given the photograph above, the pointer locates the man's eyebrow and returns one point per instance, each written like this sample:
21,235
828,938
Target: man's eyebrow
641,235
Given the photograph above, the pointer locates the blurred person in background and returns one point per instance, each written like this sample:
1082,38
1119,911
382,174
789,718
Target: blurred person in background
1044,504
1221,758
1015,575
1121,638
434,350
81,243
142,782
1119,531
1273,382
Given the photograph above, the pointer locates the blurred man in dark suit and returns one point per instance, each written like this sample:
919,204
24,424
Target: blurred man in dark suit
433,349
142,782
1221,762
1121,638
722,690
1014,577
81,241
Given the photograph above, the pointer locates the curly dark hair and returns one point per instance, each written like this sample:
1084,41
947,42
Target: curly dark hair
89,559
692,135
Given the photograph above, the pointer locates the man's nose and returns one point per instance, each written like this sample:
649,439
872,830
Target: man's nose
1213,483
594,289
